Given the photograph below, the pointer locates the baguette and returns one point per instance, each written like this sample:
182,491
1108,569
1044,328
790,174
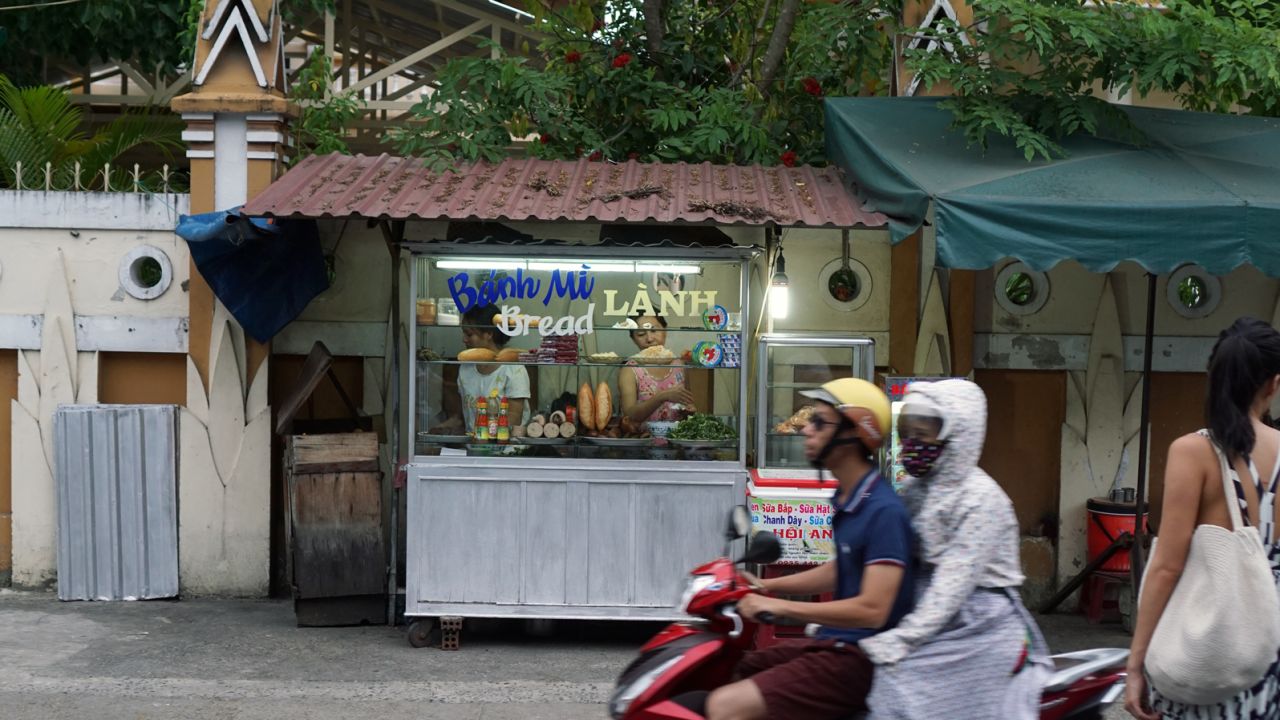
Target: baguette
508,355
587,407
477,355
604,406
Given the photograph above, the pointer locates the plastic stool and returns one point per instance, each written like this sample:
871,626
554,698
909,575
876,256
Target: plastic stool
1100,597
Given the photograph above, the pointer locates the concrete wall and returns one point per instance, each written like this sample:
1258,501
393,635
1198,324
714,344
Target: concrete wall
1084,313
62,308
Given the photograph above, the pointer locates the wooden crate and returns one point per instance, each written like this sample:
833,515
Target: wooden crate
337,554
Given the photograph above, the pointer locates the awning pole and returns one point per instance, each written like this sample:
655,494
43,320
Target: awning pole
1137,553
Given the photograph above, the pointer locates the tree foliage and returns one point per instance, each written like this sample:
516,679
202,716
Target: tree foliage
1031,70
40,128
321,127
155,35
699,80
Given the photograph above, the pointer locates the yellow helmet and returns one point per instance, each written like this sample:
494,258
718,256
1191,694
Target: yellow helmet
862,403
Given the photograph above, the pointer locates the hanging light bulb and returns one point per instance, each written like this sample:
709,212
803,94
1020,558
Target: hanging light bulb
779,290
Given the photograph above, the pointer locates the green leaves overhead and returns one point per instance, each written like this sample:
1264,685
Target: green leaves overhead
1034,70
597,87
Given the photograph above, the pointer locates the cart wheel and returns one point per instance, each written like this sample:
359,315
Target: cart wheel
423,633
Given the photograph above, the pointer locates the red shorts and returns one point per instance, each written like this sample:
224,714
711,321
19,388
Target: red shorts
810,679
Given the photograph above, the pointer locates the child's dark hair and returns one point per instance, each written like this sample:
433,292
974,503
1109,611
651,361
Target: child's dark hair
480,317
1246,357
640,318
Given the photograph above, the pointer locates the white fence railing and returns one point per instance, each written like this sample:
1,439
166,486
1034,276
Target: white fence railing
73,178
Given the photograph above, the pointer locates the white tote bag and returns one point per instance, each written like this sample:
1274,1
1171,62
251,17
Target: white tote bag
1220,632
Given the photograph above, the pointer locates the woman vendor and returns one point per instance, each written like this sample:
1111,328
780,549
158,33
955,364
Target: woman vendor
651,392
477,380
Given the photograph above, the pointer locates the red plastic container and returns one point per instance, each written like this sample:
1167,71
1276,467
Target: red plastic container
1107,519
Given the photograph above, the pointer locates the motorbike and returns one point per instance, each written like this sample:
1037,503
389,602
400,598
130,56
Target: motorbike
680,666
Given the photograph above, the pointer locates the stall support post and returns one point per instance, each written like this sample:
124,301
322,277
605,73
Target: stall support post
1137,552
393,233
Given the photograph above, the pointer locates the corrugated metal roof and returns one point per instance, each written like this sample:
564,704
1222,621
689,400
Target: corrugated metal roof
337,186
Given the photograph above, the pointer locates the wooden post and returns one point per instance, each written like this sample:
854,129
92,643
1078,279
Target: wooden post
960,308
904,304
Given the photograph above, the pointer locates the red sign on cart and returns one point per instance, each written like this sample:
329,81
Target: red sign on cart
803,525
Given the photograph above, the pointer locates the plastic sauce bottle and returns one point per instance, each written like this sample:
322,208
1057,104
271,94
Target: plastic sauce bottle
482,420
504,423
493,415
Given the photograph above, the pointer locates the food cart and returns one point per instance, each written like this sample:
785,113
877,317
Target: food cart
786,495
565,511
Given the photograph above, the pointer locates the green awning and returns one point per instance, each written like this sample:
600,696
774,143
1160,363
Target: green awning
1205,188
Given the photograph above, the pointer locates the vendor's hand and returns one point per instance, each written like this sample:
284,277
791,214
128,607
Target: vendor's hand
680,396
444,428
752,605
1135,697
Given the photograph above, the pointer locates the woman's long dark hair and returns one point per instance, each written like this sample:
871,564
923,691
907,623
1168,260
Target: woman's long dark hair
1246,357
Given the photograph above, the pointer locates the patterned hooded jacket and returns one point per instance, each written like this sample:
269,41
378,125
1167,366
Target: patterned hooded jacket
968,532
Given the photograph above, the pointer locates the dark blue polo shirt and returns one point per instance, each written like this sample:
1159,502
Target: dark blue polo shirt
871,528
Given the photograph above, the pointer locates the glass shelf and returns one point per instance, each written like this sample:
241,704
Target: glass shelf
577,364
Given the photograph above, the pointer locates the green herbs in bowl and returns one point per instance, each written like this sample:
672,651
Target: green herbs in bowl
702,427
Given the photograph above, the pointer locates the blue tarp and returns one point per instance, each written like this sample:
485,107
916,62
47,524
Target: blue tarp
264,271
1203,188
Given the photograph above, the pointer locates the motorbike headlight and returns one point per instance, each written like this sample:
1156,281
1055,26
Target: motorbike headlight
692,586
624,696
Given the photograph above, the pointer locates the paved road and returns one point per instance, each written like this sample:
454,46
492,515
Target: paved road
245,660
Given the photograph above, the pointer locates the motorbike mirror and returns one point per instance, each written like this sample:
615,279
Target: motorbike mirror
739,523
762,549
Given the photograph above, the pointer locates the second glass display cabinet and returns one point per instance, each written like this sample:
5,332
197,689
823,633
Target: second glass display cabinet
790,363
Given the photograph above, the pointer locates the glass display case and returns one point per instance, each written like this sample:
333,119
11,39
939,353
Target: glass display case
790,363
616,446
573,357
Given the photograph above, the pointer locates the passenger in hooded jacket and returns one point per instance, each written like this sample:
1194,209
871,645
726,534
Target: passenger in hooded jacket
970,648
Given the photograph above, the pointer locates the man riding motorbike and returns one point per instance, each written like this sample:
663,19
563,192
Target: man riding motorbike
828,678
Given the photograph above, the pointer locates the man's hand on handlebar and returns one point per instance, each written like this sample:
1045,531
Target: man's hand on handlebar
751,606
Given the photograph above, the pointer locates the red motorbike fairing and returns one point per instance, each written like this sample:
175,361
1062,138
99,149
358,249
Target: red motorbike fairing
670,634
673,680
666,710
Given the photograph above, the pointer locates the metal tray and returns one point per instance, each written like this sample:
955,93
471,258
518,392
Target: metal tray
617,442
444,439
702,444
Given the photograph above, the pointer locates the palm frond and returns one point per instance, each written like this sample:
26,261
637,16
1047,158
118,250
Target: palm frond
133,130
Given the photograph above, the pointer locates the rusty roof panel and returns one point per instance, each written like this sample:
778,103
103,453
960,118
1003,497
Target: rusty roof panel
521,189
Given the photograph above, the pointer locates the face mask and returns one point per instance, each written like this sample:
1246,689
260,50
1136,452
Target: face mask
920,457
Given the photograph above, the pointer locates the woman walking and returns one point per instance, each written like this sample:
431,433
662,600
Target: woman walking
1244,376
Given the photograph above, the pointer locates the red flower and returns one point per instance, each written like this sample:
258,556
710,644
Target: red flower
622,60
596,156
572,56
544,138
812,86
788,158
